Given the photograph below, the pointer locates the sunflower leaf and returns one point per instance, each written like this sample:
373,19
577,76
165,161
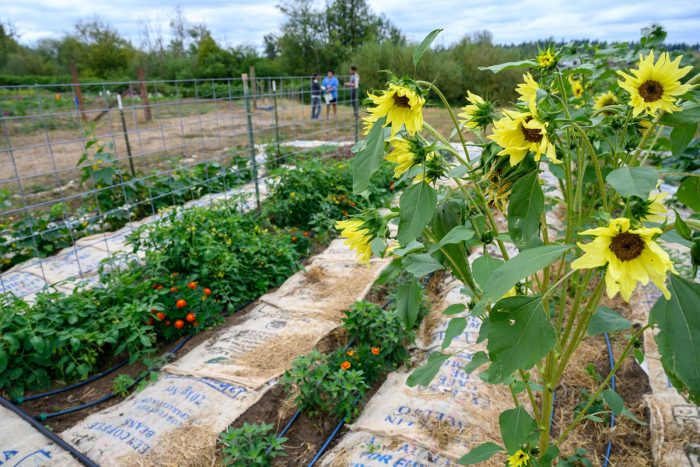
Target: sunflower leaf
508,66
421,264
417,205
606,320
408,301
480,453
681,136
679,335
423,46
633,181
369,158
425,373
517,428
525,210
689,193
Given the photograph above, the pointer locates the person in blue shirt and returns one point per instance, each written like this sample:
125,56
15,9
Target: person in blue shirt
330,87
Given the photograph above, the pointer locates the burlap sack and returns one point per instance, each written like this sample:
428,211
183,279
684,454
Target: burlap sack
256,350
325,288
148,420
450,417
22,445
360,448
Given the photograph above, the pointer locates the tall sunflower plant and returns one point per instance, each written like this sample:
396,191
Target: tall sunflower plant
560,206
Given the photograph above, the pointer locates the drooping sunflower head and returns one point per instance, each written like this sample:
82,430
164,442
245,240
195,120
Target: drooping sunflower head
655,86
359,236
605,99
651,209
519,133
402,105
406,153
435,168
631,256
547,59
367,124
528,91
478,113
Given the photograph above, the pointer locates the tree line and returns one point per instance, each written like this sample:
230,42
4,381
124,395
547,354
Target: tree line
311,40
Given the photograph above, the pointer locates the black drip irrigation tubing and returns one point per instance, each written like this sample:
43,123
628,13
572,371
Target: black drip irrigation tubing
79,456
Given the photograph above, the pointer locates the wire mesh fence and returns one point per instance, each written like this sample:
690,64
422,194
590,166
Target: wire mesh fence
82,165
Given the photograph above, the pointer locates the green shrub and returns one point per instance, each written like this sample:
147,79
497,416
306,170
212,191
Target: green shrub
228,251
251,445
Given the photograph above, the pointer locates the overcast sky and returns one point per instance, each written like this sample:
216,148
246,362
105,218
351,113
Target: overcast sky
246,21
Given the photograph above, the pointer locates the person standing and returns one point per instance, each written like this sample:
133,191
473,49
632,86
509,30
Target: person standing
315,98
354,85
330,86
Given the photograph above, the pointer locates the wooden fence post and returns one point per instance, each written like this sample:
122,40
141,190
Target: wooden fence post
144,95
76,90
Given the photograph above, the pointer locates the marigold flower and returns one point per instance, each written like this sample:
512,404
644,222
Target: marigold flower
375,350
401,105
519,459
656,85
518,133
350,353
631,256
345,365
358,237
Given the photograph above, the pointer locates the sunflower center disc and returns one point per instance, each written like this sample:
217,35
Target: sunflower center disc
651,90
533,135
627,246
401,101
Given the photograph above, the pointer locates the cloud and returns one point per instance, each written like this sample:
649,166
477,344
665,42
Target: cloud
247,21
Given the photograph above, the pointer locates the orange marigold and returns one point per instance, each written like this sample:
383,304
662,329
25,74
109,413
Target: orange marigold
375,350
345,365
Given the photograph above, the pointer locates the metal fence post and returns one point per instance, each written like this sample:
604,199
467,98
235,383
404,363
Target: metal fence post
251,138
126,135
277,125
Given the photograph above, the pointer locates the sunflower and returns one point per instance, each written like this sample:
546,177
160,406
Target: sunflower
478,114
518,132
576,87
546,59
519,459
401,105
655,85
405,153
654,209
631,256
367,124
358,237
604,100
528,90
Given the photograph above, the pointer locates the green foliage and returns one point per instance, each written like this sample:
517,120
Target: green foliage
316,193
417,208
607,320
229,252
679,325
480,453
370,325
251,445
633,181
122,384
321,386
525,210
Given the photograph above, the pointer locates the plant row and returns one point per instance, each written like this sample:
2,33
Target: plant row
194,263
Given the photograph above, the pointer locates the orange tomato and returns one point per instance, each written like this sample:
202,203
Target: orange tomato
192,285
179,324
190,317
181,303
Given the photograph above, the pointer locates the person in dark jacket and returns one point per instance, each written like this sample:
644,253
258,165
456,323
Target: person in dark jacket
315,98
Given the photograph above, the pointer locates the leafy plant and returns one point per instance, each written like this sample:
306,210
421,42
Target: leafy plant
122,384
251,445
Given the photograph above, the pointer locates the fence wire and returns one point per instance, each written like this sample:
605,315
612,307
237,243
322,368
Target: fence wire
81,166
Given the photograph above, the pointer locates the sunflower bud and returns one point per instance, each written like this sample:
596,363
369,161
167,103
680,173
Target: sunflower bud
547,59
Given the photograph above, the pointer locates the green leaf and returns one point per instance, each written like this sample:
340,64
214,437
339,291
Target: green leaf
483,267
508,66
517,268
673,237
412,246
390,272
480,453
477,360
423,46
689,193
408,302
679,335
420,265
633,181
626,413
454,309
417,208
520,335
369,158
606,320
425,373
613,400
517,428
681,136
689,116
455,327
682,228
525,210
458,234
